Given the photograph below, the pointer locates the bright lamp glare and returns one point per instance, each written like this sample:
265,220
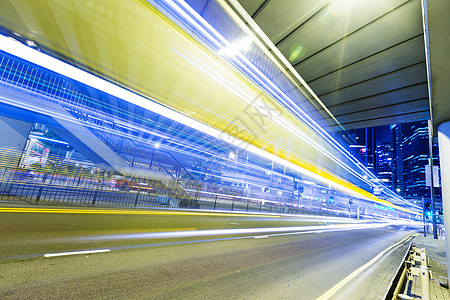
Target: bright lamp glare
233,49
339,8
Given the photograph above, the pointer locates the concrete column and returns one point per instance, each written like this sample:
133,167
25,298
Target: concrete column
444,154
13,137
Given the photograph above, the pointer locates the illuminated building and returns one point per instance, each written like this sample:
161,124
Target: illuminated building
415,155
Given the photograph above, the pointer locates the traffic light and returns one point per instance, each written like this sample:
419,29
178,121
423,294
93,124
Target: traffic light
427,209
298,187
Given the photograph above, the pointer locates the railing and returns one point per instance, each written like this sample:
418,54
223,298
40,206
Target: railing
225,202
153,159
414,264
62,183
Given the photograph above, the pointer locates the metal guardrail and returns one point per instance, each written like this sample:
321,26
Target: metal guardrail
417,265
414,264
58,186
398,282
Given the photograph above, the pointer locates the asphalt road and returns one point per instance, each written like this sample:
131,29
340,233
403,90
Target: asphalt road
177,255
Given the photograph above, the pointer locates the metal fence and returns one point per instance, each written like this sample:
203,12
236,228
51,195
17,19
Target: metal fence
101,189
40,187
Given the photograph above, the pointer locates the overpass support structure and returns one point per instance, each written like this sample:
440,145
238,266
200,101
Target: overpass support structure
444,147
437,47
12,140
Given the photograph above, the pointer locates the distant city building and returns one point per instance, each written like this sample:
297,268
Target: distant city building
376,156
384,163
364,145
398,183
398,158
415,154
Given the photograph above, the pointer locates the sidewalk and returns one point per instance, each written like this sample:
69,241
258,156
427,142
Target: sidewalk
437,263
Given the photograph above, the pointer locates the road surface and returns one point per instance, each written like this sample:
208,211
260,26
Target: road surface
161,254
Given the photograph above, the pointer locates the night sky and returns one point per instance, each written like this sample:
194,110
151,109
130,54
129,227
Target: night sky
383,134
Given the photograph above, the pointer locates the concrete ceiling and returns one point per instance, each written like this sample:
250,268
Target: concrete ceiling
365,59
439,41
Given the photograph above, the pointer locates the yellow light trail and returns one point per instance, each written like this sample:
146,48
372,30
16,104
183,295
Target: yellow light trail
126,212
173,69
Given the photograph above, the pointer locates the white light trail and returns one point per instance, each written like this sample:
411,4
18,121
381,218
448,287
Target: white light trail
283,122
212,232
182,7
76,253
290,104
41,59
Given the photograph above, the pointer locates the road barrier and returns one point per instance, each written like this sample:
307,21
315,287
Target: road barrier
415,264
71,185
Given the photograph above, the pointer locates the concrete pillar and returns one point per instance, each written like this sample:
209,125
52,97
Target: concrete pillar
444,155
13,137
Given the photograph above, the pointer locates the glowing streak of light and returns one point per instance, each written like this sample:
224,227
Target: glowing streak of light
17,49
304,117
76,253
36,57
284,123
198,233
310,121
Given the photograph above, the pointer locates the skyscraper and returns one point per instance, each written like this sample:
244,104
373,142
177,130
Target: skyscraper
399,158
364,146
415,154
384,163
398,183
